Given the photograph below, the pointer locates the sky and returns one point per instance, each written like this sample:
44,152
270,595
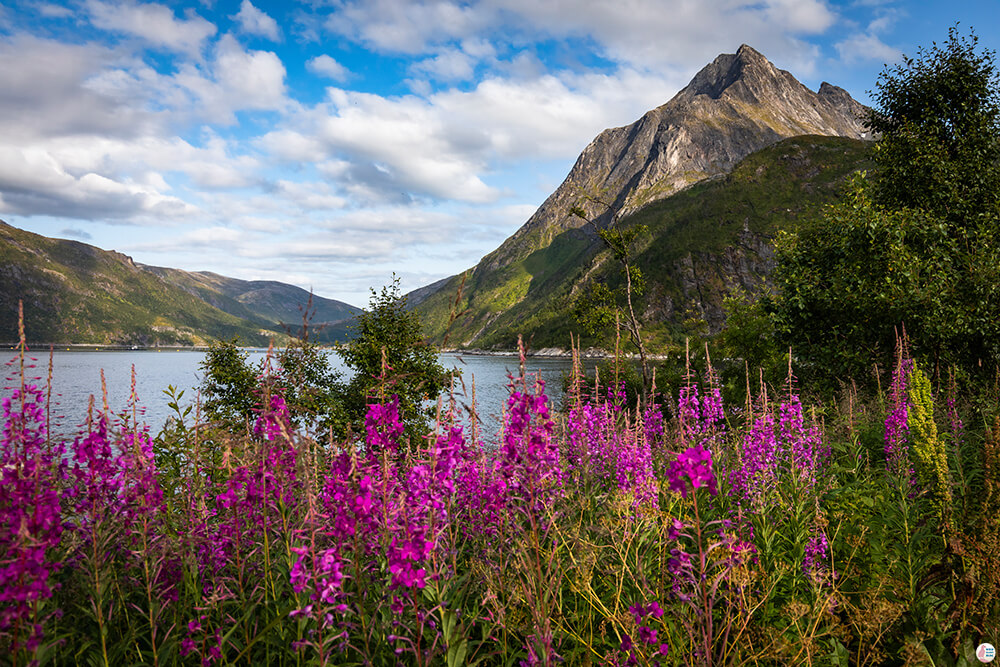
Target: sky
332,143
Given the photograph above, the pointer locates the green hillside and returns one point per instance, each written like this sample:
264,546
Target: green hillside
76,293
703,242
271,304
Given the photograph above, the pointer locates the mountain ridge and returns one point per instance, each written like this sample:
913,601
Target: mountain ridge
735,106
74,292
726,112
279,303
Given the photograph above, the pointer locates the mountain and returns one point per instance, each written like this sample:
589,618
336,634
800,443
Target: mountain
77,293
278,304
734,107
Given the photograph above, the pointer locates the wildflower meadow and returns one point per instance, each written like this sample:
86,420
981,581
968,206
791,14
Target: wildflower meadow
687,531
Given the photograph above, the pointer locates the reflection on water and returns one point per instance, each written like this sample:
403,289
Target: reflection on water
76,375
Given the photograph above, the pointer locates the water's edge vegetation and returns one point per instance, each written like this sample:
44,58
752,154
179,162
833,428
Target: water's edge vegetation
689,532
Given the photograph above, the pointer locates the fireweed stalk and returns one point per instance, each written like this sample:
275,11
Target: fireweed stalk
32,476
897,428
780,459
703,567
609,453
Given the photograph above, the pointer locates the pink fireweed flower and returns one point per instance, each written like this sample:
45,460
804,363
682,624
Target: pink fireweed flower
383,427
814,564
31,525
897,430
611,456
530,453
274,421
702,419
778,447
694,466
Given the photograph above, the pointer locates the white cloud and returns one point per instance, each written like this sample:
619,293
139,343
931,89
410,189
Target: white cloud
633,34
448,65
310,196
406,26
255,22
255,78
48,91
446,146
53,11
324,65
34,183
154,23
862,47
236,79
76,233
213,236
288,145
398,147
800,16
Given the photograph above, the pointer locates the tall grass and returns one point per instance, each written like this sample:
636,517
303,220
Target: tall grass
604,535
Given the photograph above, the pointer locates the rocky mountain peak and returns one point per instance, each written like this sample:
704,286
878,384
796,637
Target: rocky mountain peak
729,69
736,105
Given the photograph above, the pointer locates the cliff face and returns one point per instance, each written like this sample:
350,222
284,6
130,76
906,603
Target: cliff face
735,106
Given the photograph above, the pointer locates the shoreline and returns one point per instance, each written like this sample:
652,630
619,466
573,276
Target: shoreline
552,353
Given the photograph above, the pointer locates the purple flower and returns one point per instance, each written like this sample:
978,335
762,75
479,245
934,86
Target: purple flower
897,430
31,507
777,448
647,634
814,564
694,466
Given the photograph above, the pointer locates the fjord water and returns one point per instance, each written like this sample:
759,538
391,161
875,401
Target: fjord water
76,375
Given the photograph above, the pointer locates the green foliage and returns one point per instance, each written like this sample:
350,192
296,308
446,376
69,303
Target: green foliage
595,309
229,385
750,335
914,244
389,356
618,302
928,449
939,119
847,285
232,388
313,391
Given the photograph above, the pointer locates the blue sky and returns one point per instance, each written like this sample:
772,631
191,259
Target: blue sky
330,143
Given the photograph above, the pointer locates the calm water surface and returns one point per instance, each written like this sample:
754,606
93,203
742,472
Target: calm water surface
77,375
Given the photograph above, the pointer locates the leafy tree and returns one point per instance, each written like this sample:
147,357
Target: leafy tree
229,384
603,306
914,245
749,335
939,119
232,386
389,356
313,390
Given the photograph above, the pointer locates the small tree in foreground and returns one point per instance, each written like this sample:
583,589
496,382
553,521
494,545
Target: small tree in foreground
389,356
601,307
233,388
